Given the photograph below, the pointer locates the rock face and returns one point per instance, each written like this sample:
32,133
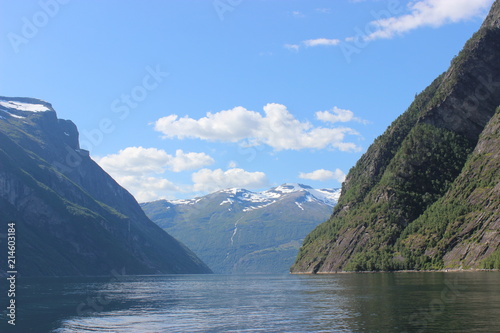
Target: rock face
239,231
468,214
425,194
71,217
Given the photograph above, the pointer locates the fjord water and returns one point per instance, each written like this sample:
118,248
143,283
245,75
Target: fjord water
380,302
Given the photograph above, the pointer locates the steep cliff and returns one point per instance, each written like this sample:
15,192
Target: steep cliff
462,229
71,217
409,171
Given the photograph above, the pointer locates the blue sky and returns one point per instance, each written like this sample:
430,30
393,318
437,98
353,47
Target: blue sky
180,98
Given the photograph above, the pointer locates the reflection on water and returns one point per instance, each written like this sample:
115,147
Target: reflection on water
382,302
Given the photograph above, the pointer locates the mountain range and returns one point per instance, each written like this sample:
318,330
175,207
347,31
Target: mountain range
70,217
239,231
426,194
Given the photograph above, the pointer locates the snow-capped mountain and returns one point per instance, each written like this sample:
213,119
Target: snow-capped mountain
257,200
327,196
21,107
239,231
73,218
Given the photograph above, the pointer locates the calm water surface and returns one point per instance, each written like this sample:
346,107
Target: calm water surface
382,302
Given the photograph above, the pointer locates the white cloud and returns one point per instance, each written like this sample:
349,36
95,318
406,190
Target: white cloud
338,115
206,180
323,175
229,125
324,10
137,170
321,41
432,13
139,160
189,161
421,13
297,13
292,47
145,188
278,128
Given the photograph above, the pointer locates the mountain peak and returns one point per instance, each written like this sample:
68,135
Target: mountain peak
234,190
236,230
493,18
23,104
256,200
292,187
78,220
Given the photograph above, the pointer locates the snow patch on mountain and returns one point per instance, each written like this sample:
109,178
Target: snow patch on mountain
326,196
11,115
299,205
245,195
185,201
227,201
21,106
289,188
247,209
249,201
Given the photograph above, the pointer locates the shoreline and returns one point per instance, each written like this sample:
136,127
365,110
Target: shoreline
450,270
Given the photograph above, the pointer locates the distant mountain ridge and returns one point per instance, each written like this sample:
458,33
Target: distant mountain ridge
240,231
258,200
426,193
71,217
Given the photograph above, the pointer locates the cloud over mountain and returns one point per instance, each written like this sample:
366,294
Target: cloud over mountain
277,128
428,13
137,169
323,175
207,180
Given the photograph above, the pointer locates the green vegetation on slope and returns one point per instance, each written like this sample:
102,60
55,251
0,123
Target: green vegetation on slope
422,170
393,212
467,215
230,238
74,220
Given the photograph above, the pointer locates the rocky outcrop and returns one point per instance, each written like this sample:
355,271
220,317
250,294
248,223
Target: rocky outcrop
473,232
391,214
71,217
